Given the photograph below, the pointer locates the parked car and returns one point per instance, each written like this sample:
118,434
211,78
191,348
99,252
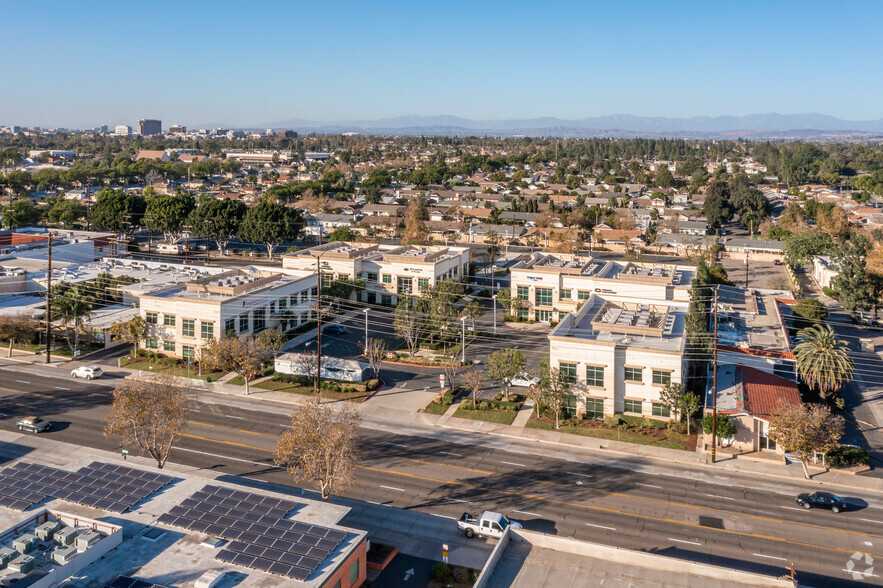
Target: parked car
524,381
822,500
777,262
89,372
334,330
33,424
489,524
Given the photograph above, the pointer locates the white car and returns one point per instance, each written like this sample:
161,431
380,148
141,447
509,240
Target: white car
87,371
524,381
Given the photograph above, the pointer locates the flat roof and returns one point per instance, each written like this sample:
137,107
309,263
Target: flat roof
750,319
228,286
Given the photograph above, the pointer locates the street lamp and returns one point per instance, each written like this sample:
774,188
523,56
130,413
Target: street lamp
366,328
463,340
495,315
493,275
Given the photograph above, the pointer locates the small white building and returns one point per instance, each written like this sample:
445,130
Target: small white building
619,355
333,368
823,271
183,317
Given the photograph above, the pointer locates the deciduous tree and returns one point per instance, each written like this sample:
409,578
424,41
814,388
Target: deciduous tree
131,331
804,429
218,219
556,389
17,327
474,382
375,351
504,365
243,355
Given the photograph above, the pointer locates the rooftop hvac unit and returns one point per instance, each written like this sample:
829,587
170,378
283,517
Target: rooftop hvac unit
87,540
6,554
47,530
66,536
64,555
22,563
24,543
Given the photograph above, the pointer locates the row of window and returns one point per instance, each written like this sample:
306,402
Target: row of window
372,277
543,296
595,408
595,375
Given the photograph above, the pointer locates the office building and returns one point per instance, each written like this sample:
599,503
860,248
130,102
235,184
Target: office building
149,126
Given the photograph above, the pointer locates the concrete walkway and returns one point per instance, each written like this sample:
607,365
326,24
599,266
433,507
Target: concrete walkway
523,415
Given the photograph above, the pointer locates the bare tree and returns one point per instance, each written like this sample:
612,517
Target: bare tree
17,327
451,369
536,393
244,356
320,447
375,351
474,382
409,325
804,429
149,413
306,363
556,389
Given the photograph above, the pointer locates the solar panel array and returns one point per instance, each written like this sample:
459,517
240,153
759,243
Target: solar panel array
100,485
260,538
128,582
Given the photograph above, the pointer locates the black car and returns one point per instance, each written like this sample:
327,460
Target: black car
823,500
334,330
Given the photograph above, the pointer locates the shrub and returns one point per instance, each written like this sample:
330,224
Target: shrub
845,456
655,424
614,421
461,575
829,292
677,427
208,379
442,572
373,384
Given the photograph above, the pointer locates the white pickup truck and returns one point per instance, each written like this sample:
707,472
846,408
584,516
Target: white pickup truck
489,524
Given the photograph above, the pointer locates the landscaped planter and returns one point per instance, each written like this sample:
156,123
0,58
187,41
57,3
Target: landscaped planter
380,557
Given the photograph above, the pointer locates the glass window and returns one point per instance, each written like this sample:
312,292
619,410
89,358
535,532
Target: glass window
168,320
594,408
273,307
663,378
404,286
314,291
422,284
661,410
634,375
570,406
543,296
168,346
594,376
354,572
522,313
568,371
583,295
283,303
372,276
386,300
229,325
187,353
523,292
543,316
633,406
150,343
151,318
260,315
243,323
387,279
188,328
207,330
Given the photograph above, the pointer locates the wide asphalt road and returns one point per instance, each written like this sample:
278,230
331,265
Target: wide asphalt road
720,523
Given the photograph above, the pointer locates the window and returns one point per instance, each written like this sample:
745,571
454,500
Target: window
661,377
283,303
243,323
187,353
230,325
260,315
387,279
661,410
568,371
522,314
314,291
168,346
188,328
571,294
523,292
207,330
543,316
634,375
543,296
422,284
570,406
168,320
595,376
404,285
372,276
583,295
151,317
354,573
633,406
273,308
594,408
150,343
386,300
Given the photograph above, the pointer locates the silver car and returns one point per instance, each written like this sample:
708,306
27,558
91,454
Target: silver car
89,372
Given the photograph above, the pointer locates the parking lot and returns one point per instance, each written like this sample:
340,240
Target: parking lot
761,274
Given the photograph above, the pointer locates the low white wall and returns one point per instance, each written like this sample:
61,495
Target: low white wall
491,564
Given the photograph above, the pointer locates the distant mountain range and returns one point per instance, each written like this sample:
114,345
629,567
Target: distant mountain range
771,125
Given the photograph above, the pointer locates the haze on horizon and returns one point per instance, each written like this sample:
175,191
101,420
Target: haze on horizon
205,63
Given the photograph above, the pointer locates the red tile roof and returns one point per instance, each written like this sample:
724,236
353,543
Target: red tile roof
764,392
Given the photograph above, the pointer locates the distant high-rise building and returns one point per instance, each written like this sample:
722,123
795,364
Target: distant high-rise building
100,129
149,126
287,134
177,129
124,130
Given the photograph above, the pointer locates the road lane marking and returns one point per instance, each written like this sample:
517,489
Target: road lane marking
648,485
794,508
257,463
872,521
396,445
683,541
61,388
393,488
532,514
720,497
456,500
443,516
521,465
581,475
22,381
601,527
856,571
449,453
230,416
769,556
99,394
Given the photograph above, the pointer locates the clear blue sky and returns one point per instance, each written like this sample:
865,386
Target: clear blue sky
251,62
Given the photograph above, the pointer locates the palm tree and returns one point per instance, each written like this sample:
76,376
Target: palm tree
72,309
823,359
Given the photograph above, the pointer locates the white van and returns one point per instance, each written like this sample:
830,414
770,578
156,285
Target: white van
170,248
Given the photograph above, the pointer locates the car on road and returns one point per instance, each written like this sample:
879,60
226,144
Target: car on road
90,372
777,262
489,524
821,500
524,381
33,424
334,330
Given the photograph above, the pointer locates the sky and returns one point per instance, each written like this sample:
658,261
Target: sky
256,63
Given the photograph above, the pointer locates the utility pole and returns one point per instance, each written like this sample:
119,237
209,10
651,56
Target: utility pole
208,242
746,270
186,243
319,328
49,304
714,386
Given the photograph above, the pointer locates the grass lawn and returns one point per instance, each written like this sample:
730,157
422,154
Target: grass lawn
4,345
236,381
357,396
504,417
436,408
178,370
65,351
674,440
